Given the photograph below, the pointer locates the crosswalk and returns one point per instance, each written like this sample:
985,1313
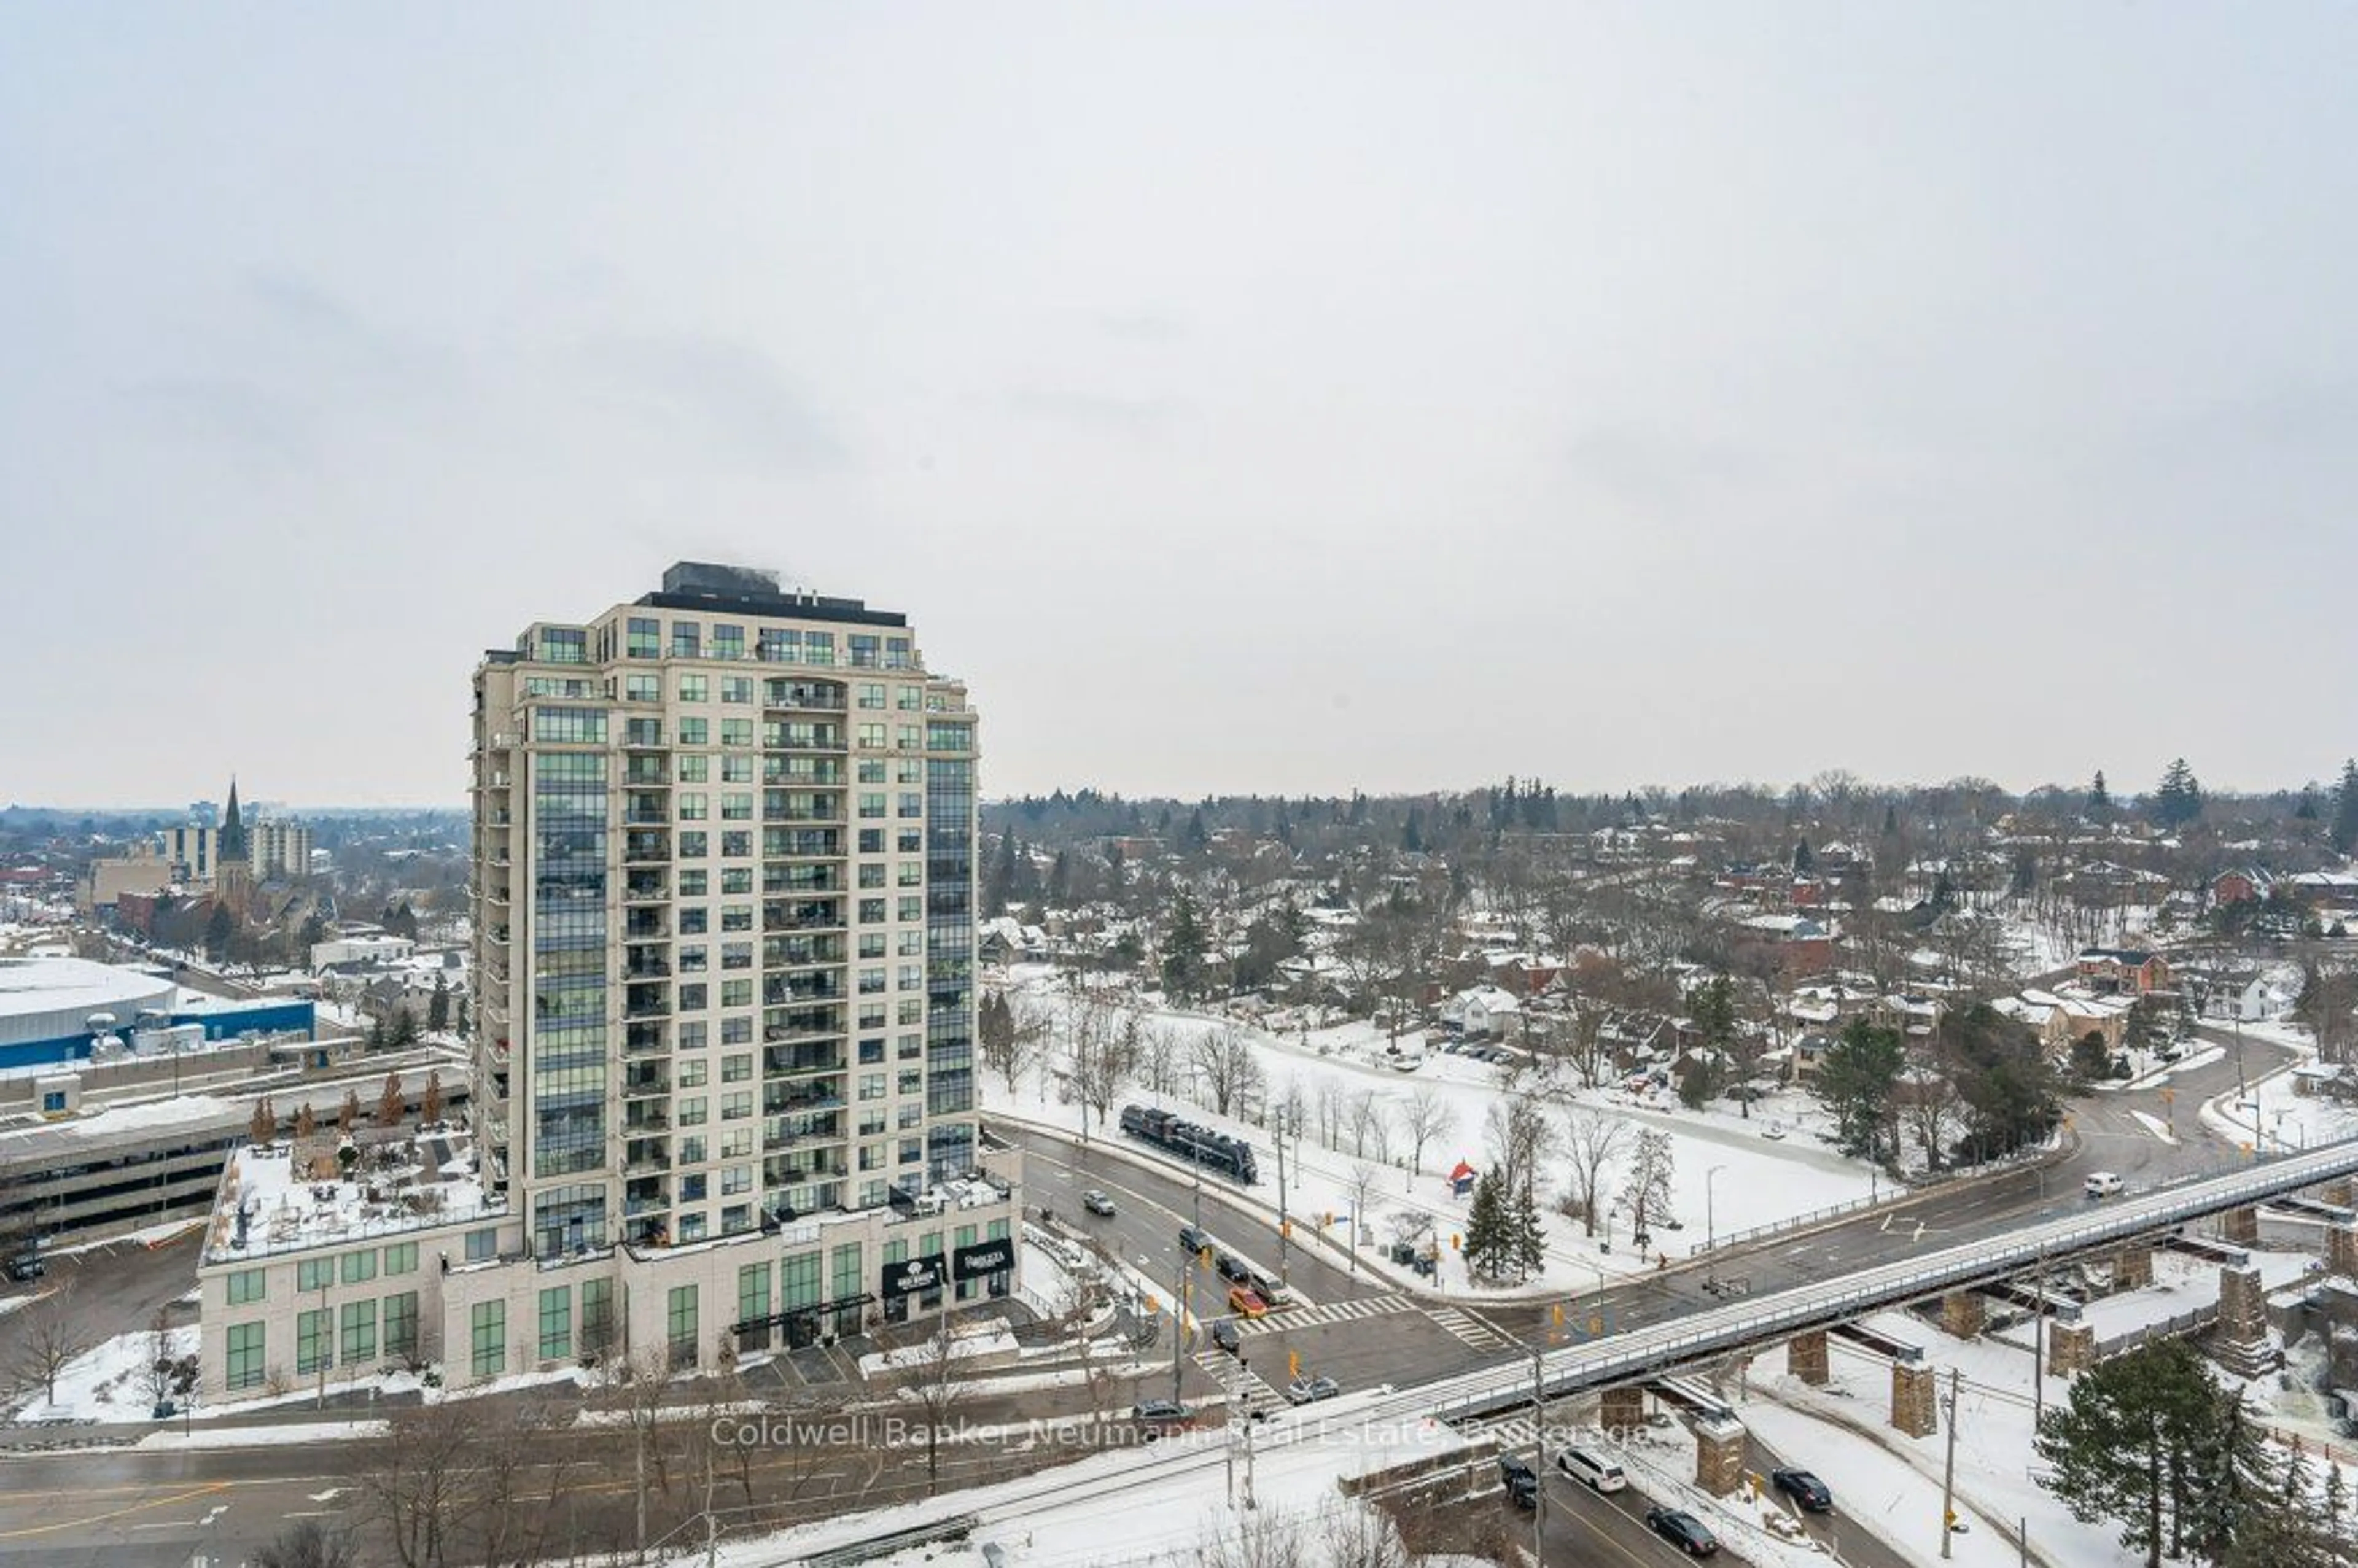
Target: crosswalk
1249,1387
1469,1331
1287,1318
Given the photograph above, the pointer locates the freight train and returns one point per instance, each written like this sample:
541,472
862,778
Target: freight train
1164,1130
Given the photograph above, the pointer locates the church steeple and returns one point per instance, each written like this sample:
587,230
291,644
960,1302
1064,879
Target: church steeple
233,845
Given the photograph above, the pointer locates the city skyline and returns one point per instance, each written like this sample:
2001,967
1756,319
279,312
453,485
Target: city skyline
1619,397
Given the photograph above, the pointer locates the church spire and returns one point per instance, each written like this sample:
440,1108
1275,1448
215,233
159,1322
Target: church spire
232,828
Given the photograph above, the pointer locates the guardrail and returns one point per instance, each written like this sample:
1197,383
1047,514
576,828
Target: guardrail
880,1546
2188,1322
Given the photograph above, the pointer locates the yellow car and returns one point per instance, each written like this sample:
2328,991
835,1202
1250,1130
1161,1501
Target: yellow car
1247,1303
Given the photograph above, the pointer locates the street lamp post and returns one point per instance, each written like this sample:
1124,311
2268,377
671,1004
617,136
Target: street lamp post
1710,1189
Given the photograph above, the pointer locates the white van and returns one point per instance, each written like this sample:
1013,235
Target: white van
1598,1474
2103,1184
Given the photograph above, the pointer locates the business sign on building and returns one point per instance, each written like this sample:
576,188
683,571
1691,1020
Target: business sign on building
915,1276
984,1257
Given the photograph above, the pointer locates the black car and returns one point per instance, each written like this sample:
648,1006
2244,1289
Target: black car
1097,1203
1159,1412
1683,1531
1809,1494
24,1266
1225,1335
1192,1239
1233,1269
1522,1481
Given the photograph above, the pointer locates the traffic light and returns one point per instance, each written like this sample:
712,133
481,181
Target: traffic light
1557,1313
1286,1228
1453,1241
1204,1255
1294,1363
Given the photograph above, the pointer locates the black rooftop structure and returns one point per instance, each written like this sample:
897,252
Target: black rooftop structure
750,591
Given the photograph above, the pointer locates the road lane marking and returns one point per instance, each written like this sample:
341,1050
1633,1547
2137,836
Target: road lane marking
204,1491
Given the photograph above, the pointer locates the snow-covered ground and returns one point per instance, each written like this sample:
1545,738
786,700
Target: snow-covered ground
104,1382
1728,1172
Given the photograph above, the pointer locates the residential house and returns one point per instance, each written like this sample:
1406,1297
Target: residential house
2116,970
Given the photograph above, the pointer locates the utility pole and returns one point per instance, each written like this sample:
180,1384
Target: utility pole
1179,1292
1284,1226
2038,1344
1949,1468
1539,1434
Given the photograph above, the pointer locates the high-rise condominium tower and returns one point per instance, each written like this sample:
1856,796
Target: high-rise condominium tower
723,897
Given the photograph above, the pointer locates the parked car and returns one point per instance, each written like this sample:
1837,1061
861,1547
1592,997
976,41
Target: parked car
1267,1288
1098,1203
1309,1390
1522,1481
1192,1239
26,1266
1159,1412
1594,1471
1225,1335
1245,1303
1233,1269
1809,1494
2102,1183
1683,1531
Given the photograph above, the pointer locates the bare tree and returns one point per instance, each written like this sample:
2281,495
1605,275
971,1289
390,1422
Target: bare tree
306,1543
932,1382
1928,1102
1426,1115
1361,1185
1593,1140
1096,1060
52,1337
1367,1119
1329,1100
1265,1538
1159,1061
1651,1164
1230,1071
1006,1042
416,1491
1289,1107
1358,1535
1521,1135
160,1375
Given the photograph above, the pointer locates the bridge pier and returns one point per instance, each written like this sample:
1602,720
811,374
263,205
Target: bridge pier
2071,1348
2133,1266
1719,1455
2341,1191
1962,1315
1805,1357
2240,1226
1913,1399
2342,1250
2240,1343
1624,1414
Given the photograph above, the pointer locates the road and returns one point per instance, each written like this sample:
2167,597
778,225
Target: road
143,1508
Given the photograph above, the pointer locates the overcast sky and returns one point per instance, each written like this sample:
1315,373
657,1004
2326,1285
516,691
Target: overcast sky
1242,397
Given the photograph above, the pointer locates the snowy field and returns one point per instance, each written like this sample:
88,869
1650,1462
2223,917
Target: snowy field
1728,1172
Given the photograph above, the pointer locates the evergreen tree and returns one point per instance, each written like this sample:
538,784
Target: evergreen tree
1805,862
1857,1079
1527,1239
438,1006
2099,796
219,929
404,1026
1489,1238
1714,1012
2178,799
2345,809
376,1036
458,1015
1184,950
2111,1445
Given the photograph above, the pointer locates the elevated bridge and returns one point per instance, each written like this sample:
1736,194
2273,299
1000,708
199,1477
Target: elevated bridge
1644,1355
